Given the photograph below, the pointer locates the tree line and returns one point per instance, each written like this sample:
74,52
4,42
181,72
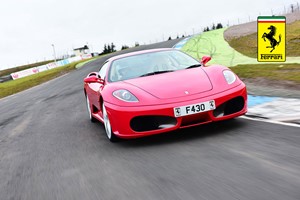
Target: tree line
110,48
213,27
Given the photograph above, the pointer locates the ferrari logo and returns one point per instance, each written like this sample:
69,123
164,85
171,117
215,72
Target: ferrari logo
177,112
271,39
212,105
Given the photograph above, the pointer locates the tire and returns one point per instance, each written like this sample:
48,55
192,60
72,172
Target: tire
89,109
107,126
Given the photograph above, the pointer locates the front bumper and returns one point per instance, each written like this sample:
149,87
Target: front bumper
122,119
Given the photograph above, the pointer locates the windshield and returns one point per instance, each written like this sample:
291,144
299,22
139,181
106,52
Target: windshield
149,64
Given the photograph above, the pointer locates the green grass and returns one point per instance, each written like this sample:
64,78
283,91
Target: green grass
23,67
18,85
293,39
247,45
86,61
278,72
212,43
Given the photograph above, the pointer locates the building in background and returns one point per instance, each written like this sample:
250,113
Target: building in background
82,51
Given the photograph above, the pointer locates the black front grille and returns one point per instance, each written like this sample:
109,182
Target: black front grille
230,107
150,123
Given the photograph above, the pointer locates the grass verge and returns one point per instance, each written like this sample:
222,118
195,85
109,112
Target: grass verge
18,85
278,72
247,45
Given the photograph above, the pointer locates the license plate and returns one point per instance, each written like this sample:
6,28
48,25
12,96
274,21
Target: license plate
194,108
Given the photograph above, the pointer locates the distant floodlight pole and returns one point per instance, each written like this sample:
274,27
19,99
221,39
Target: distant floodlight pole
54,54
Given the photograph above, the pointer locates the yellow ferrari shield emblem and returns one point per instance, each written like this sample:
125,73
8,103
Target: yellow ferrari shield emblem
271,39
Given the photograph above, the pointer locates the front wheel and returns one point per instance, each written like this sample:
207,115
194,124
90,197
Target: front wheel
110,135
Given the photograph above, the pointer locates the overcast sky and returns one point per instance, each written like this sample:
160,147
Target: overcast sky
29,27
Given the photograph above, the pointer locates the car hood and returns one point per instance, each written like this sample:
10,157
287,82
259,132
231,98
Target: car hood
174,84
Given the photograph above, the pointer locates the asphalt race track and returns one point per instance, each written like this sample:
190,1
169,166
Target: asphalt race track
49,150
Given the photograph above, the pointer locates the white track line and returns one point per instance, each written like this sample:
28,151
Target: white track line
271,121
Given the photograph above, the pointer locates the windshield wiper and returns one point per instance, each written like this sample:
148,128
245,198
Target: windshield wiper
193,66
157,72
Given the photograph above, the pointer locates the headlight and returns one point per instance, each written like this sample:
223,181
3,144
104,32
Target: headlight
229,76
125,95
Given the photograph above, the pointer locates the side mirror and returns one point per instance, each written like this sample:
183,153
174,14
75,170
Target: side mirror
205,59
93,79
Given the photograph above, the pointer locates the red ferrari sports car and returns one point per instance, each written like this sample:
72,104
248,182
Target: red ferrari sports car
160,90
